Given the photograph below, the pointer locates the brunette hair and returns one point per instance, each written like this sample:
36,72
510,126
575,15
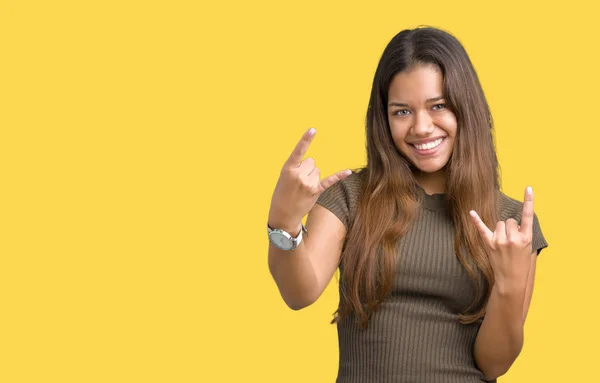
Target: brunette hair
390,198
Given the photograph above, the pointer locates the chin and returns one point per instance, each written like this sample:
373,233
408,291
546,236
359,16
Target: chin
429,168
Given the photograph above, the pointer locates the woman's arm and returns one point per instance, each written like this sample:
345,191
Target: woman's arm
529,290
303,274
500,338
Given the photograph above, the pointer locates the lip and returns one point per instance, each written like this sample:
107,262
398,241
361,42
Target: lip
427,152
425,140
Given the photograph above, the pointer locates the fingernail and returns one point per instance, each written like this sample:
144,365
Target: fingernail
348,172
529,190
311,131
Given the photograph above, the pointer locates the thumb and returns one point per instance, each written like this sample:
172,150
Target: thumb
328,182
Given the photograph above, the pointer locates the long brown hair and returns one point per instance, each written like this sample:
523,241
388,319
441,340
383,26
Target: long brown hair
389,200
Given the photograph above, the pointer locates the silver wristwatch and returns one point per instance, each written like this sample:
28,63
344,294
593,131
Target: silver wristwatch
284,240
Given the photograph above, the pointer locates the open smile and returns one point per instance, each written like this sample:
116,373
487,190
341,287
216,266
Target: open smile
429,147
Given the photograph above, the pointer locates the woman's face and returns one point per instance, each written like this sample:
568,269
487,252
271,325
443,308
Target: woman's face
422,126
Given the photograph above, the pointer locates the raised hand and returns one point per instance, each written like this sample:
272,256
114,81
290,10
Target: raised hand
510,245
298,188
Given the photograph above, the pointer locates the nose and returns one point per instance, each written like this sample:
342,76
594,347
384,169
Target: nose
423,124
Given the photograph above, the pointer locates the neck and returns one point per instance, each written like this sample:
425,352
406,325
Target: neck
432,183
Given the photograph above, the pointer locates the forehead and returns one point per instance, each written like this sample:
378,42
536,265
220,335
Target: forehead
416,84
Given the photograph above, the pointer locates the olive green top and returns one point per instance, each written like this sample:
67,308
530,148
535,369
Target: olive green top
415,335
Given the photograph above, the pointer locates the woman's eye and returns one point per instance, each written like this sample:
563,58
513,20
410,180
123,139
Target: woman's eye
439,106
402,112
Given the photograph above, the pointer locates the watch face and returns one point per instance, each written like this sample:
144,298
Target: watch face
281,241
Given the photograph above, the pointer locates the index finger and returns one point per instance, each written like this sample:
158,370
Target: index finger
527,216
301,147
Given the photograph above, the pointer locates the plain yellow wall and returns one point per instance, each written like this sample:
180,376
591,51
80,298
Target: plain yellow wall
141,141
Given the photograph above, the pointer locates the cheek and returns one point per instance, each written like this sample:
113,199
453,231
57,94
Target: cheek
448,123
398,133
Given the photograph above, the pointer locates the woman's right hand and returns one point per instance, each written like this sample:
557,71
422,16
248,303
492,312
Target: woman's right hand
298,188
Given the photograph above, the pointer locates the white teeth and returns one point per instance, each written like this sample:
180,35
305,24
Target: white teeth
429,145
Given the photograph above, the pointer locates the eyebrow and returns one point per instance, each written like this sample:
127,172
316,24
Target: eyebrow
434,99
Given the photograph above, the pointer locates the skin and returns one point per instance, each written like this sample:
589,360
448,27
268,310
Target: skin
303,274
417,115
500,338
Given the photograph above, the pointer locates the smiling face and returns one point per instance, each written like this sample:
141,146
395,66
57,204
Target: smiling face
423,127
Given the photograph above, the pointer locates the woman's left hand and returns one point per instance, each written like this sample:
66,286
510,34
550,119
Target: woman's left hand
510,247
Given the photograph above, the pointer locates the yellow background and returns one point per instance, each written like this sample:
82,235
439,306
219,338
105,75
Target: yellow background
141,141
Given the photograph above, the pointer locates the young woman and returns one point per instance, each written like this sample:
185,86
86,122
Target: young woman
436,264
